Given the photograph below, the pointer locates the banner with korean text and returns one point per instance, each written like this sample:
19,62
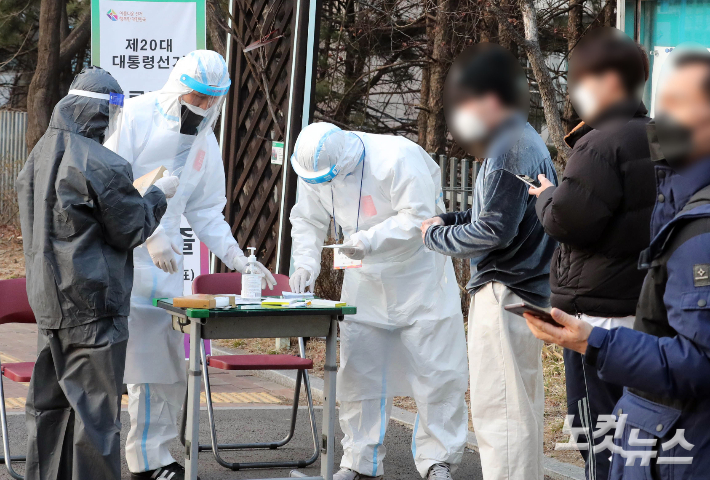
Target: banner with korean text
139,42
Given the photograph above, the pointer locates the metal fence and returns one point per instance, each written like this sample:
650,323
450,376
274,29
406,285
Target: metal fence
458,178
13,153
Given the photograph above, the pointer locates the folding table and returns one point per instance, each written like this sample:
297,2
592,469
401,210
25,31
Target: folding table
255,321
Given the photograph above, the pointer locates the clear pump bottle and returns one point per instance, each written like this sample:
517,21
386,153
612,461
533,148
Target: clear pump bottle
251,277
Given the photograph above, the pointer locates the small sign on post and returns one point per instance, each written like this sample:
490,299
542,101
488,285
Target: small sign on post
277,153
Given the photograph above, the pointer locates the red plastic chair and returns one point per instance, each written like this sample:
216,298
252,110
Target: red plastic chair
218,283
15,309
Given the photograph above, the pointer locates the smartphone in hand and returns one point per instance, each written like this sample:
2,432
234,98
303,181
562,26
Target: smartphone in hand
530,181
539,312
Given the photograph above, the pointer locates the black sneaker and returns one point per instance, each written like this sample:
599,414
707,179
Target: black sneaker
174,471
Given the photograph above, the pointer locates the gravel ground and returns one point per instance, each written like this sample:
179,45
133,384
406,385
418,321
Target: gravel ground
12,260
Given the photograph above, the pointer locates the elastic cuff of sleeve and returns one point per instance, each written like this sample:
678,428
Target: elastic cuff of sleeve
235,251
355,237
449,218
428,243
594,344
544,198
159,230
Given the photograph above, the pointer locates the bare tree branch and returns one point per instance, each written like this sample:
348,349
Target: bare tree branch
77,39
530,42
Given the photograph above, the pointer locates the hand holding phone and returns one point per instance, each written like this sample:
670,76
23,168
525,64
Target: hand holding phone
530,181
538,312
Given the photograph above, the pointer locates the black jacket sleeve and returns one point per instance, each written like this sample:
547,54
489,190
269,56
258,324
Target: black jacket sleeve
456,218
577,211
127,218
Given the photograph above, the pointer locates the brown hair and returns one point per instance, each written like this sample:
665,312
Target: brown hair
603,50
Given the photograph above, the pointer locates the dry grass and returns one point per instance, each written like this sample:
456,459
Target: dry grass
553,371
12,260
9,211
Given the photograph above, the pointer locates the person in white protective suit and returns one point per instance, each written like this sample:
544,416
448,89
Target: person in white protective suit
407,338
172,127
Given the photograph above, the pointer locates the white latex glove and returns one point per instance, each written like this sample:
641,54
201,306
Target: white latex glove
354,251
168,184
300,281
236,260
162,250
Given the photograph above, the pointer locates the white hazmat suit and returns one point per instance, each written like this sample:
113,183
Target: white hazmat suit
407,338
162,129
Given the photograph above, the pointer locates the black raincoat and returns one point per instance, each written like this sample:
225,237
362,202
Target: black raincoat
80,215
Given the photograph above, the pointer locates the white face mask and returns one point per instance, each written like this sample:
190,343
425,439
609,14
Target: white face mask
468,126
195,109
584,101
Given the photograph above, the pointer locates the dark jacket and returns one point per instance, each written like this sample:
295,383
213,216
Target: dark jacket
600,214
501,233
665,360
80,215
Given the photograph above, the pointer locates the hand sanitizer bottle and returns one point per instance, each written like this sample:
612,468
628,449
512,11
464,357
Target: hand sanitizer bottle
251,278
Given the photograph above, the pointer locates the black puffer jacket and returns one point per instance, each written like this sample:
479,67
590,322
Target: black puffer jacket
600,214
80,215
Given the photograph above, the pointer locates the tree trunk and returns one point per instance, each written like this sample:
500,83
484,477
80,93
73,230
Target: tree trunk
487,25
544,81
44,89
610,13
436,123
574,33
423,115
504,37
217,33
18,91
55,52
353,64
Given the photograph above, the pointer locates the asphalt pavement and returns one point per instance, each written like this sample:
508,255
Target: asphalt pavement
250,424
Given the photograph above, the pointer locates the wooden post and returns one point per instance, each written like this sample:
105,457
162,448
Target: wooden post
465,171
453,195
300,47
442,167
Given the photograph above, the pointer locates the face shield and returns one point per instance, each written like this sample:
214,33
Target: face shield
191,100
115,118
200,108
324,152
115,113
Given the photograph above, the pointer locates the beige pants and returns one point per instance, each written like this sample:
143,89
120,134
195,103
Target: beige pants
507,394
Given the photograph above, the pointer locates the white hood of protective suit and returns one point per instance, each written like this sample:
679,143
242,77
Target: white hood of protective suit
205,66
323,145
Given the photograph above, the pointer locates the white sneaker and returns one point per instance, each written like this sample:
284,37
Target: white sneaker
439,471
347,474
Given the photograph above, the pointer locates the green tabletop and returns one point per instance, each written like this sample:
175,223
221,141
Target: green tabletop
252,310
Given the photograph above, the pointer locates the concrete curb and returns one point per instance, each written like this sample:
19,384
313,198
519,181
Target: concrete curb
554,469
